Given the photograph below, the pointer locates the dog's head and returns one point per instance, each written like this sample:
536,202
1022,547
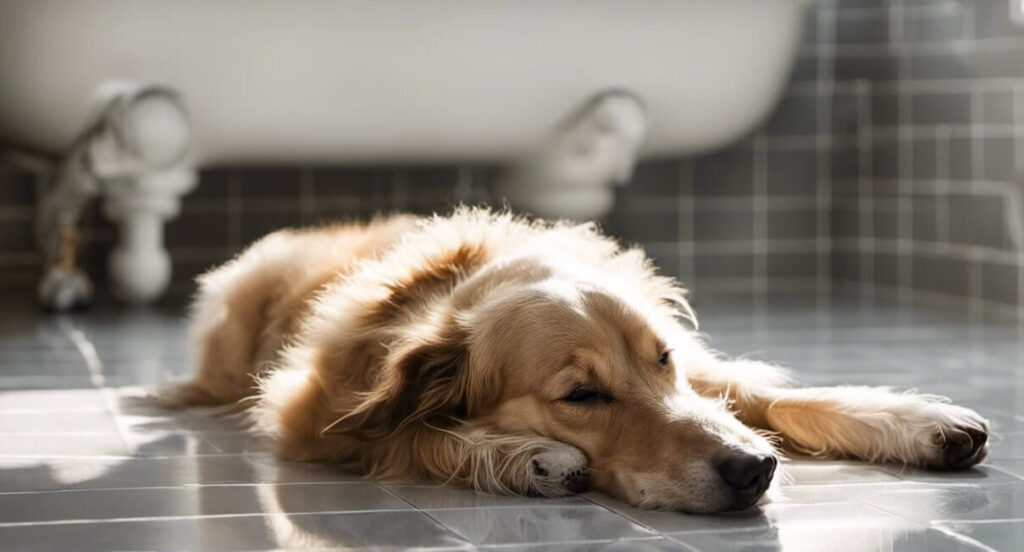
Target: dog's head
531,347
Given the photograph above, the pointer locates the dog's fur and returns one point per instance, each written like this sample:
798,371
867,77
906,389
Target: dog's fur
449,348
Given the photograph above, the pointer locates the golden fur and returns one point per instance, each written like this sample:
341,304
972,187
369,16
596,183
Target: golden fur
455,349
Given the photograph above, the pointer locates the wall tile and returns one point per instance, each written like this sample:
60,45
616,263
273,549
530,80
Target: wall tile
16,236
796,114
932,109
991,19
997,107
978,220
845,264
721,224
792,173
886,221
805,68
999,63
886,269
853,67
925,218
998,158
870,28
845,163
197,230
213,184
884,159
255,227
791,223
791,265
710,266
1000,282
845,114
16,188
940,275
659,178
275,183
938,66
960,163
926,161
639,226
947,22
726,173
885,110
846,223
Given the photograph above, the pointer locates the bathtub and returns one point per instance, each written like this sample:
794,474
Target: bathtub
334,81
568,93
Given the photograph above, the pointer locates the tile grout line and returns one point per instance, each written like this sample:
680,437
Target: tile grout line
438,522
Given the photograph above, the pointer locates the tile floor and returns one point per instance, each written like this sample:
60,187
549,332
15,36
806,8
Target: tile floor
83,468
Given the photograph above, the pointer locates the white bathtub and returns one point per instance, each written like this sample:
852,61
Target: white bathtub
354,81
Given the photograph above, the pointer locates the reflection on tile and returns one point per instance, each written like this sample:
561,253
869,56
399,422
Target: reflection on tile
1006,446
853,537
656,544
57,422
952,502
51,400
195,501
775,514
1014,466
325,531
538,524
437,497
813,472
20,474
985,473
998,535
48,446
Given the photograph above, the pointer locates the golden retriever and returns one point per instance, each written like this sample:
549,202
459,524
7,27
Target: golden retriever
511,356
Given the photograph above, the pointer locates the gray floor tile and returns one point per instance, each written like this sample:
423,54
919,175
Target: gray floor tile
813,537
816,472
73,444
52,400
194,501
656,544
291,531
18,474
438,497
1007,446
538,524
58,422
776,514
139,477
997,535
952,502
991,471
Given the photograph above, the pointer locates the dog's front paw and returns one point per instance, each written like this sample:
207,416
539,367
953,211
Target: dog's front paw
558,471
960,441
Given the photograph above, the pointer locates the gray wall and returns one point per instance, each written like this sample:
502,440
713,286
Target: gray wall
891,166
929,115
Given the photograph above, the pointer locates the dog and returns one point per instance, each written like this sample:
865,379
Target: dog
510,355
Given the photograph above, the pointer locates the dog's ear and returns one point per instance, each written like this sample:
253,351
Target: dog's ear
422,381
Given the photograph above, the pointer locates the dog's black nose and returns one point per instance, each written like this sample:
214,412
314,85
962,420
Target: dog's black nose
748,474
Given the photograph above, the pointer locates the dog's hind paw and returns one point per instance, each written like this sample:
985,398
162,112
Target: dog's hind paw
559,471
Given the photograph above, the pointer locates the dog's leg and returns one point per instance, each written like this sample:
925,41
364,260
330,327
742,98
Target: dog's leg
483,460
869,423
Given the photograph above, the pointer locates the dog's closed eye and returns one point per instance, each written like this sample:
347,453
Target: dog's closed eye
583,394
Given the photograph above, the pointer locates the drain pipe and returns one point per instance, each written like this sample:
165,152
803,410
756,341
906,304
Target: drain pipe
134,155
